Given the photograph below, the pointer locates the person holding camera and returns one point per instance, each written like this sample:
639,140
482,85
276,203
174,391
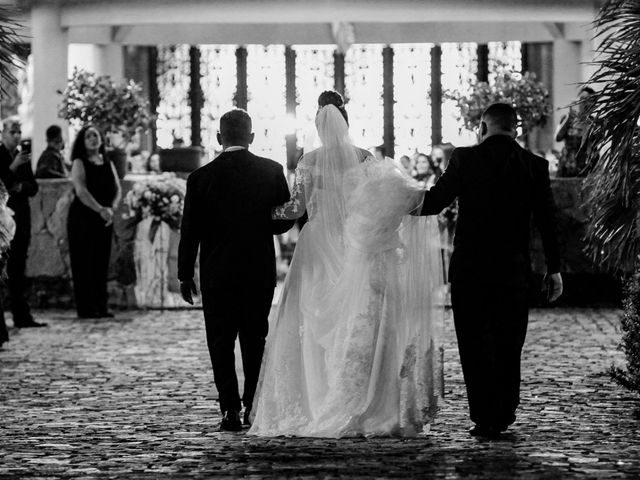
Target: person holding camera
17,176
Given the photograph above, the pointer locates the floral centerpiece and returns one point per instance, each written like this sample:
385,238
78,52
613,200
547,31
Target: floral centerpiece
528,96
160,198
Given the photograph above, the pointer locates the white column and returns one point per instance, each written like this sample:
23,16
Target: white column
49,48
567,74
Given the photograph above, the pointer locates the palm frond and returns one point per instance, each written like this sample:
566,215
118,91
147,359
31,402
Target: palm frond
613,183
12,48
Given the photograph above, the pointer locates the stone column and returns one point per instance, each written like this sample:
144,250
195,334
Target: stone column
388,101
338,72
537,58
566,75
50,50
436,95
241,99
483,62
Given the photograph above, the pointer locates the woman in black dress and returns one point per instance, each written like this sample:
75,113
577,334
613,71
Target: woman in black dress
90,223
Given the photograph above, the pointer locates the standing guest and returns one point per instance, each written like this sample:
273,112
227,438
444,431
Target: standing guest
90,223
7,230
227,209
573,131
406,164
440,155
423,172
17,176
490,267
51,163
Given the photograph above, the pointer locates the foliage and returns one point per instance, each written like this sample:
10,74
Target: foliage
160,197
613,140
630,378
528,96
109,105
11,47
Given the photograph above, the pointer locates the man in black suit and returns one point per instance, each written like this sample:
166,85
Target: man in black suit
227,213
499,186
17,176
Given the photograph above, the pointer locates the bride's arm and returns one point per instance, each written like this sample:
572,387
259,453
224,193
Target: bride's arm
296,206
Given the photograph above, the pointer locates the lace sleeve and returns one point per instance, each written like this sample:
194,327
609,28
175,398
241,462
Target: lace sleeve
296,206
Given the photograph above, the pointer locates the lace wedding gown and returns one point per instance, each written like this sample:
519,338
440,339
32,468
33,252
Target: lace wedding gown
354,346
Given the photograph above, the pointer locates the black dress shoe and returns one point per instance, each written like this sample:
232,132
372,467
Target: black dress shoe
485,431
245,418
29,324
231,421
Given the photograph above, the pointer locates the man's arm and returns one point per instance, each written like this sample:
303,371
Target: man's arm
189,231
282,196
446,188
544,216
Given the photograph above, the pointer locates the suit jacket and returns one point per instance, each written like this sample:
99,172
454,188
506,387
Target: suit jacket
21,185
500,186
51,165
227,213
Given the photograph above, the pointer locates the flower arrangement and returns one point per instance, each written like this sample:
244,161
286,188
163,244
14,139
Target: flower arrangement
160,198
528,96
111,106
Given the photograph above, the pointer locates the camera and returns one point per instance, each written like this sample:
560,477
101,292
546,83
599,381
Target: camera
25,146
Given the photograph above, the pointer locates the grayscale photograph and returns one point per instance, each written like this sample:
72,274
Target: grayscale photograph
332,239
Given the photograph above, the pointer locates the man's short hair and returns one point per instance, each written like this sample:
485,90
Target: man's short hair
53,132
235,126
501,115
10,122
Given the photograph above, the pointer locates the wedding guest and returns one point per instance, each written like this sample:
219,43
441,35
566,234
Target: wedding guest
423,171
51,163
440,155
153,163
90,223
406,163
572,131
7,230
17,176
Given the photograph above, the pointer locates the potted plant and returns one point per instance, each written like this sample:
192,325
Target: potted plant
613,181
528,96
118,109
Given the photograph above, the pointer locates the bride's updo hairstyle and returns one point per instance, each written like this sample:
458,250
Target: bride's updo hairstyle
331,97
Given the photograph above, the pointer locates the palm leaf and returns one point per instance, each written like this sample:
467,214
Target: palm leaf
12,48
613,184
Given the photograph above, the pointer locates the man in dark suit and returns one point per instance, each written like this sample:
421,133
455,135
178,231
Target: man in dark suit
17,176
227,213
499,187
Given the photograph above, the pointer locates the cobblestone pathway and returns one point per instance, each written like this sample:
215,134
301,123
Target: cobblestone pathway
133,398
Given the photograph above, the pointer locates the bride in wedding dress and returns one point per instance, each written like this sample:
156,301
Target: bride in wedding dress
354,347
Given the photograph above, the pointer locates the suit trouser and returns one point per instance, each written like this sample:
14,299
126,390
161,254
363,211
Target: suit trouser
16,266
491,326
230,313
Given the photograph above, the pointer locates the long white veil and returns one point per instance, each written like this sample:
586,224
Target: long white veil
354,347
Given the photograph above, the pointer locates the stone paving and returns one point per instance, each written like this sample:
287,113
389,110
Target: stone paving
132,397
